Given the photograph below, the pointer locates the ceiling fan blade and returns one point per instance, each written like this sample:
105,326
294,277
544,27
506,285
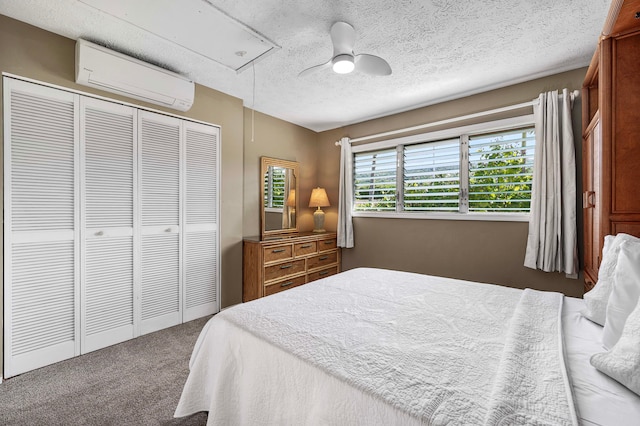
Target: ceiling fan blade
371,64
343,37
314,69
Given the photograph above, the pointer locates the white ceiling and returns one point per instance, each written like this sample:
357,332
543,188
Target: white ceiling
438,49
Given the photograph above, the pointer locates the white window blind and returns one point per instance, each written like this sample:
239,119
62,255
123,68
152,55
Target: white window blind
501,171
274,182
375,180
479,173
432,176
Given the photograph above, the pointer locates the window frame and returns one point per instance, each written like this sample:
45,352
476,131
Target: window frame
461,132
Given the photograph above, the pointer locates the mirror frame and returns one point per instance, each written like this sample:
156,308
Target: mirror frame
267,162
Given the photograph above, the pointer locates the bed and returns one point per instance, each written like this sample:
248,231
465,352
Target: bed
379,347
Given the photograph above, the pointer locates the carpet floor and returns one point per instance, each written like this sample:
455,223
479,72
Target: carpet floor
137,382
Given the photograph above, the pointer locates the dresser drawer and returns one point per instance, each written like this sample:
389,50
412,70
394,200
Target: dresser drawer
327,244
323,273
282,270
274,253
303,249
283,285
322,260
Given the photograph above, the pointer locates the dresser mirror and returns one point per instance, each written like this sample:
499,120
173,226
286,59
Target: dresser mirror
278,200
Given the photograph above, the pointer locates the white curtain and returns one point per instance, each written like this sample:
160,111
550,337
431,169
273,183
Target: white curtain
552,243
345,202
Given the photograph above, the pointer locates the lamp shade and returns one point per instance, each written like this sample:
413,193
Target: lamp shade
319,198
291,199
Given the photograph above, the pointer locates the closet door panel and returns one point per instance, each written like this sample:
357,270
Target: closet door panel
159,159
108,303
160,278
202,274
41,253
108,154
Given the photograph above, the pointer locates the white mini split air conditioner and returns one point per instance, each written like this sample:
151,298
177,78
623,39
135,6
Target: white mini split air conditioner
105,69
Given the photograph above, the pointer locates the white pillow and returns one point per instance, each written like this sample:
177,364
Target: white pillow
596,300
625,293
622,362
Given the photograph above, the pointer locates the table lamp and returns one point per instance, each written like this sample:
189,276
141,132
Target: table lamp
318,199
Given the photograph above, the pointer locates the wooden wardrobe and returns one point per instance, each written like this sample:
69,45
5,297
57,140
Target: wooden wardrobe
611,135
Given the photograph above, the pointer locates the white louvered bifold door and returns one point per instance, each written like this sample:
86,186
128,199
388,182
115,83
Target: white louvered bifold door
201,268
107,157
41,253
159,159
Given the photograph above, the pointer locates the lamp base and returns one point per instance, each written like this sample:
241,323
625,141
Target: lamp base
318,221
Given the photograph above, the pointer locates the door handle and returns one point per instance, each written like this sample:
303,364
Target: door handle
588,199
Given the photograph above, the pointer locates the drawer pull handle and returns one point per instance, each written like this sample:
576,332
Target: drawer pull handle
286,266
306,246
287,284
328,242
277,251
324,258
323,273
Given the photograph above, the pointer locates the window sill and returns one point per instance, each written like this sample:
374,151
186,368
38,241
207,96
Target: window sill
488,217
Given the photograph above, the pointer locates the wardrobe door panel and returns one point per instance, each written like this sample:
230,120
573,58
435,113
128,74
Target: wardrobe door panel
41,254
202,274
108,158
159,159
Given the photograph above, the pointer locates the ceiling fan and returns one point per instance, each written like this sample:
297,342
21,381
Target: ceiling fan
344,60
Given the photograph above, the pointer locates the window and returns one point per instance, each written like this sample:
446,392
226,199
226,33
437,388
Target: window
432,176
274,188
483,172
375,181
501,171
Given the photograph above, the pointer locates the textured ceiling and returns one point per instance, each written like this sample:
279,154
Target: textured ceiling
438,49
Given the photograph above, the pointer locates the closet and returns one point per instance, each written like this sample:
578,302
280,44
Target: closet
110,228
611,125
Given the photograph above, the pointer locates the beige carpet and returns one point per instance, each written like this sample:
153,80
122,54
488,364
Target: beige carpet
133,383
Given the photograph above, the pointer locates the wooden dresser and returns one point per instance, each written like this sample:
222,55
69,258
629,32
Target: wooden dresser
611,135
274,264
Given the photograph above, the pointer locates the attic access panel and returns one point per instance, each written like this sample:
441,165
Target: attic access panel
195,25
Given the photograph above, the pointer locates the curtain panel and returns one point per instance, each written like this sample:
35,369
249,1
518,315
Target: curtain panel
345,202
552,239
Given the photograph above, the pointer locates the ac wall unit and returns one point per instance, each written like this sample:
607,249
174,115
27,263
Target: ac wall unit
105,69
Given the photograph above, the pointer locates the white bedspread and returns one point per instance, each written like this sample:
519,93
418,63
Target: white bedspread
373,346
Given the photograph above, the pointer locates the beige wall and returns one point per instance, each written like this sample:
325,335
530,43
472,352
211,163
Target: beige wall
473,250
34,53
278,139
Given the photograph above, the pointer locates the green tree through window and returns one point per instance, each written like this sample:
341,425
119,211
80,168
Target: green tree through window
501,171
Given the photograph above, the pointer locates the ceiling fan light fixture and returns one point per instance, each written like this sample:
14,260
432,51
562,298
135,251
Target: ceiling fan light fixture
343,64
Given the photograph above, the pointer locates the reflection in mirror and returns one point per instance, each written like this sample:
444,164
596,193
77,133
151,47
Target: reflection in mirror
278,200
